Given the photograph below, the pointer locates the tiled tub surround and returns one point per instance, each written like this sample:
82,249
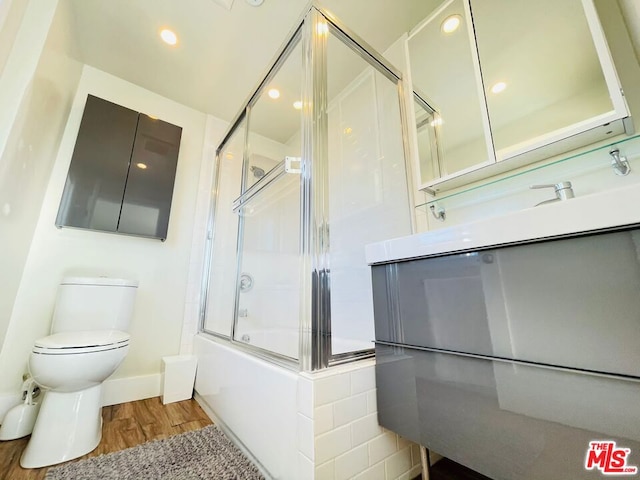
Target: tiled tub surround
302,426
338,432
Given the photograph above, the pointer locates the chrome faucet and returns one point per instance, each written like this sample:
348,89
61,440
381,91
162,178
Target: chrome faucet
563,191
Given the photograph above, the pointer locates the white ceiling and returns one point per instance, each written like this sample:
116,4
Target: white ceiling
222,53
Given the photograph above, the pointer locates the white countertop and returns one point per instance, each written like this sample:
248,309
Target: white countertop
598,211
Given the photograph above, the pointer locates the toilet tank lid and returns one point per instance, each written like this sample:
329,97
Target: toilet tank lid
108,281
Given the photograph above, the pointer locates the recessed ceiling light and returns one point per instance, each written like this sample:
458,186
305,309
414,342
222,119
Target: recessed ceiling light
169,36
274,93
297,105
229,155
322,28
348,131
498,87
451,23
141,166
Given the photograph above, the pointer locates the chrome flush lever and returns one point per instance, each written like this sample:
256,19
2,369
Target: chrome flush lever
563,191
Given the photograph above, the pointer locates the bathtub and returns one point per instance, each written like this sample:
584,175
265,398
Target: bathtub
280,416
253,400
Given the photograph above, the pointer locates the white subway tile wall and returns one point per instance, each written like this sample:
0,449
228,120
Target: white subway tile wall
351,463
305,468
323,419
305,397
377,472
305,436
348,442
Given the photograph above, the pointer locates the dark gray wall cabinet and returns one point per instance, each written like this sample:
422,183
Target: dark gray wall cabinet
122,172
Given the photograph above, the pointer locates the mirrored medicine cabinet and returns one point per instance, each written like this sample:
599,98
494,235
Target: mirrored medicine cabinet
499,84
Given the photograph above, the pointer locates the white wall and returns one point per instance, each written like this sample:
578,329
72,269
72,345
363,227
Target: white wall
36,93
21,62
214,130
11,14
161,267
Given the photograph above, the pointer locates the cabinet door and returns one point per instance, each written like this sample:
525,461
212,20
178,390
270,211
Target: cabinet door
147,197
98,172
541,70
444,68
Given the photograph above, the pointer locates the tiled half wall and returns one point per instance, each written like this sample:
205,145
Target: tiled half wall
338,433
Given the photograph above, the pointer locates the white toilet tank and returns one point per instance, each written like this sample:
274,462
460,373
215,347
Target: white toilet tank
94,303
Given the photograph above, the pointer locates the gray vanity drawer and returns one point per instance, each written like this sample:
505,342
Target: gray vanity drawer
507,420
573,302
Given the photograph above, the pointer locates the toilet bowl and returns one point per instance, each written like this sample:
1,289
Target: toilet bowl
72,361
88,342
70,368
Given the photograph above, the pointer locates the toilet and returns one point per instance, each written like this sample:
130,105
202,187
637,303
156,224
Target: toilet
89,340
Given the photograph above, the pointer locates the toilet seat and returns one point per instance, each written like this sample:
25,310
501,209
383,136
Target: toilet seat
75,343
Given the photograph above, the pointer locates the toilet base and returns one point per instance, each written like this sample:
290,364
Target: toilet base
68,426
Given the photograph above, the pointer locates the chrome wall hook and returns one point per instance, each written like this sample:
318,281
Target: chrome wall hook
619,163
438,215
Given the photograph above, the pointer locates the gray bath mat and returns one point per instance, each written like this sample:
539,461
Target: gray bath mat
202,454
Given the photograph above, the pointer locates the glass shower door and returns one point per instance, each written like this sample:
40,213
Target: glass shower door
269,261
269,271
220,297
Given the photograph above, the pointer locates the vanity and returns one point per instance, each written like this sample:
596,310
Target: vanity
511,344
498,85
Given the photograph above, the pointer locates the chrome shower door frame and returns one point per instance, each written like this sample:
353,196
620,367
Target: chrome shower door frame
314,351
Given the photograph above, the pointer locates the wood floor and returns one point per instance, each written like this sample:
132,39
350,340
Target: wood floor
125,425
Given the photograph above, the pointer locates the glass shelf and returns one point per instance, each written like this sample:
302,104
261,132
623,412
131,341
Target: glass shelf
589,170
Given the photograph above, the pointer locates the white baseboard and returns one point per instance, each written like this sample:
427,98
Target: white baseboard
7,402
130,389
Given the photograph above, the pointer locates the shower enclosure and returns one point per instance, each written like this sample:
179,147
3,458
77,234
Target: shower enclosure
312,169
